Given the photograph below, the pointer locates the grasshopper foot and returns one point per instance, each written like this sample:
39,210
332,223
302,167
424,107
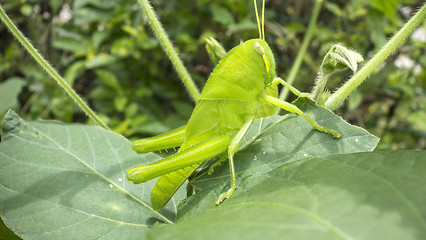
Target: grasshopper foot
324,129
329,131
334,133
225,195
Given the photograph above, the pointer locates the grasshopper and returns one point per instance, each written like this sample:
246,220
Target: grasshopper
241,88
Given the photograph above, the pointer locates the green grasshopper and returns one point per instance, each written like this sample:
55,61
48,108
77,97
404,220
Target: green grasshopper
241,88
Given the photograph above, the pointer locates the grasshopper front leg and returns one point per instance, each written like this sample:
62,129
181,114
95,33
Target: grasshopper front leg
294,90
294,109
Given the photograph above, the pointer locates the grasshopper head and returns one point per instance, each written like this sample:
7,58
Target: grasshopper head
260,53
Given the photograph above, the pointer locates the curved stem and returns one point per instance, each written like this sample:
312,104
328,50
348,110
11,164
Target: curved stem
168,48
306,40
49,69
342,93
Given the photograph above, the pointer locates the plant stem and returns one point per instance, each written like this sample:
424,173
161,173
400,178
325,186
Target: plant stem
169,49
320,83
49,69
306,40
342,93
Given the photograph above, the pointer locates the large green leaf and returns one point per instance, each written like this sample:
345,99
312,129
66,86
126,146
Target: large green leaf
277,140
377,195
68,181
61,180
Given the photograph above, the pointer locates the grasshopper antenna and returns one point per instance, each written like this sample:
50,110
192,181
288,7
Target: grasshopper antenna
263,20
257,18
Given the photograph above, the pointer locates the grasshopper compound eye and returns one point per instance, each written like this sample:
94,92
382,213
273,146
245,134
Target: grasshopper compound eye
258,48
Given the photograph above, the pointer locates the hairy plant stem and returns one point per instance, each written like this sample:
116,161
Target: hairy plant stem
49,69
320,83
296,66
342,93
169,49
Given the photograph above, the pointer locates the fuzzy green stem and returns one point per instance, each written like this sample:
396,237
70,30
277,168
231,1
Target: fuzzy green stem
49,69
342,93
169,49
320,84
306,40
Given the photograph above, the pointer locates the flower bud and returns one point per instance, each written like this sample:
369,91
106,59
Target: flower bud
215,50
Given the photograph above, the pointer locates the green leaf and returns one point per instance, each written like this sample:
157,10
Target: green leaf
245,24
222,15
90,14
387,7
74,44
120,103
109,79
378,195
274,141
354,100
70,178
73,71
376,23
335,9
9,91
100,60
55,5
60,180
95,3
124,47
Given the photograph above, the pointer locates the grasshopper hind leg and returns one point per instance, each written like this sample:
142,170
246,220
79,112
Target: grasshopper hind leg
172,139
194,155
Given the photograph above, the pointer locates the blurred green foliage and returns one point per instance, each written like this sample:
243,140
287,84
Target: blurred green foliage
106,50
